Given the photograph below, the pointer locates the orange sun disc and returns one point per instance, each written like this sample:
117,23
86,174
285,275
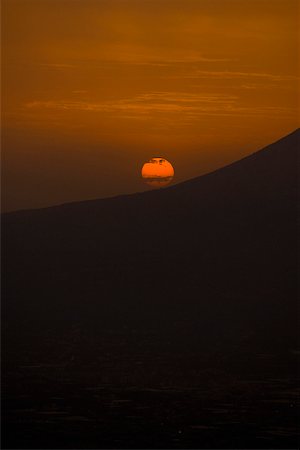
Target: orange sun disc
157,172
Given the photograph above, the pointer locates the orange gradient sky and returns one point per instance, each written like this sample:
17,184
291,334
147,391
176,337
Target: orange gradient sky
94,88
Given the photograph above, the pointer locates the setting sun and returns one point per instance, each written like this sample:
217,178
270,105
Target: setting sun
157,172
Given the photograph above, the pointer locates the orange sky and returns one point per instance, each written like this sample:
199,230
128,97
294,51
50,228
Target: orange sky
94,88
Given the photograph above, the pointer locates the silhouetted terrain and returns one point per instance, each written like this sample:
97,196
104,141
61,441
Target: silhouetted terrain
165,319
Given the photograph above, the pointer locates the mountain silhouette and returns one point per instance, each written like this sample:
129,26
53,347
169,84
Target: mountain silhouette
204,269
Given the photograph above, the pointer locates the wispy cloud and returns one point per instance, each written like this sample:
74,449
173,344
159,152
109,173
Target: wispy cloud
165,61
80,91
58,66
124,56
148,104
230,75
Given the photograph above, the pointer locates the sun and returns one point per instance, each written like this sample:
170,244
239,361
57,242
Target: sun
158,172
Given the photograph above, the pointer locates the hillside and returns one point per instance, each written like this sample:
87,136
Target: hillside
169,289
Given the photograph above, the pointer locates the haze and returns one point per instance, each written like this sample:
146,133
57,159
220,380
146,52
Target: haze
92,89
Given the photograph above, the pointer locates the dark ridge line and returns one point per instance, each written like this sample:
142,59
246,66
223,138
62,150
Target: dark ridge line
153,191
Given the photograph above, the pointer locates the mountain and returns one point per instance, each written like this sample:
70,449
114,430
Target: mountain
205,270
232,229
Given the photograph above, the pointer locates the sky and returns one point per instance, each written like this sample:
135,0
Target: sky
92,89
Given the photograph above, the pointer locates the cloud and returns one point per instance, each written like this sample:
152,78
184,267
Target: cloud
154,102
164,61
184,105
231,75
59,66
135,56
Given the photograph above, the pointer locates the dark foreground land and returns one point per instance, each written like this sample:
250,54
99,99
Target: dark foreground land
159,320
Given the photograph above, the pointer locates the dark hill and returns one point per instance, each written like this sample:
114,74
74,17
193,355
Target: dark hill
232,229
203,269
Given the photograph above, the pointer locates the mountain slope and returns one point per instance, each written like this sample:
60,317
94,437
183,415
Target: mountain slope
180,304
250,201
219,246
